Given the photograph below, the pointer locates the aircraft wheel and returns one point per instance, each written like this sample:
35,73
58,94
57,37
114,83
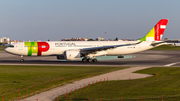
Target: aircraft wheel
94,60
84,59
89,60
22,60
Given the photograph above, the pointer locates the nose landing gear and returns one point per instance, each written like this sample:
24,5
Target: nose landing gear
22,60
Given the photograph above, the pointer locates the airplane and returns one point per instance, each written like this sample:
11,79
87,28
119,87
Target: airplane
89,50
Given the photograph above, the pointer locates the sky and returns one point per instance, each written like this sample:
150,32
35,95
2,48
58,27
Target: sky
59,19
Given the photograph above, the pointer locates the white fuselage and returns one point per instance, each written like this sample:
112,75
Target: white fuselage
59,47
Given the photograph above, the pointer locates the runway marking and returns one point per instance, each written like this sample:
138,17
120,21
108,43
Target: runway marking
171,64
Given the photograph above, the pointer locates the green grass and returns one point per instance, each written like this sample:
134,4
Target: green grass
19,77
151,89
166,47
1,49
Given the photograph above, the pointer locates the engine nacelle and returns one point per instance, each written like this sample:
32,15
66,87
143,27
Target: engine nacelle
72,55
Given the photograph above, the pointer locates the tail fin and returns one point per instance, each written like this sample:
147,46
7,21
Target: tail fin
156,33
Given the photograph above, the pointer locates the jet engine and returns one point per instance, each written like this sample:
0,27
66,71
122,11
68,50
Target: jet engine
72,55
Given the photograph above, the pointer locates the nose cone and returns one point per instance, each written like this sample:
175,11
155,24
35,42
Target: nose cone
9,50
6,49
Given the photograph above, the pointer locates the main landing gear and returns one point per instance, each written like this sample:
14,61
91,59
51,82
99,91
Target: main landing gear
22,60
89,60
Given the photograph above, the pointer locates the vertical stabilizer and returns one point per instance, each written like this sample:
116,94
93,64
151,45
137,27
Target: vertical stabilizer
156,33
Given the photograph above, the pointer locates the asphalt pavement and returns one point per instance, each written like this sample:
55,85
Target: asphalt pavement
151,58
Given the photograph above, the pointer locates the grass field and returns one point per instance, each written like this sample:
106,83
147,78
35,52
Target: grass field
2,48
151,89
19,77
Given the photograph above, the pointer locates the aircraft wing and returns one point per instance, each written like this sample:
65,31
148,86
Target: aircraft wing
95,49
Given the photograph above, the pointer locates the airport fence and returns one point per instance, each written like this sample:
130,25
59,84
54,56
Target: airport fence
67,94
17,93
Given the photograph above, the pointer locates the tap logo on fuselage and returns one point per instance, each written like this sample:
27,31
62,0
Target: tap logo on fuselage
36,48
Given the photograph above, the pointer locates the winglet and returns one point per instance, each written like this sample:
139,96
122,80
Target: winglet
156,33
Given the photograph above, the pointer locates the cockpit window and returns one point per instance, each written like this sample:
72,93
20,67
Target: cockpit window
11,46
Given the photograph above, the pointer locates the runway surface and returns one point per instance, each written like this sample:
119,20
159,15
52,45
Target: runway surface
146,58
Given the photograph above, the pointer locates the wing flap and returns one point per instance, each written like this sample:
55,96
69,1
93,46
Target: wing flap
95,49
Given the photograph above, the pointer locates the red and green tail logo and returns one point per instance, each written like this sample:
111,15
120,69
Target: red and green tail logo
156,33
